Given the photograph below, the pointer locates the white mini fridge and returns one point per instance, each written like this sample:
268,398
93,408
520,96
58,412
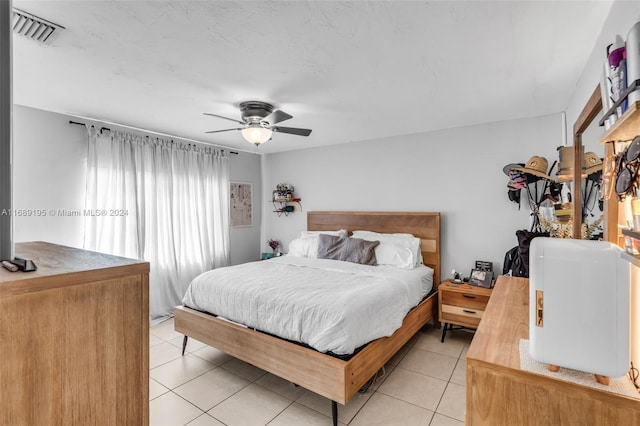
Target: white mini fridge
579,305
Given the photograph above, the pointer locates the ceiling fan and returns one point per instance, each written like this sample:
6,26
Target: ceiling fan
258,120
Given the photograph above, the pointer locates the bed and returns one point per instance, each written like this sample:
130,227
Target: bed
335,378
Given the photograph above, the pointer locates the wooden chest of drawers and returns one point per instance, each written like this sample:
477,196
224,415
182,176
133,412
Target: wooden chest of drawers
74,339
462,306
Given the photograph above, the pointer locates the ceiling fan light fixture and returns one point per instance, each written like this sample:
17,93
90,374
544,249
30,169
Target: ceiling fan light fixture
258,119
256,134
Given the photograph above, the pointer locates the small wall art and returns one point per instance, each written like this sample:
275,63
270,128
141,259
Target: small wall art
241,204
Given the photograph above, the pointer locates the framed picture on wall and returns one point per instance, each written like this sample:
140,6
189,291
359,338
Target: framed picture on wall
241,204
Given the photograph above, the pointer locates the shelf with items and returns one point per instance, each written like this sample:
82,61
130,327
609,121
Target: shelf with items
631,247
286,207
625,128
284,200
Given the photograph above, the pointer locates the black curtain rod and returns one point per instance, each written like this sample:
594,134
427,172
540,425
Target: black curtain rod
106,128
82,124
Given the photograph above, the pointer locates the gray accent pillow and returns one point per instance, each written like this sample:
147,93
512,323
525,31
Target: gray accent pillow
353,250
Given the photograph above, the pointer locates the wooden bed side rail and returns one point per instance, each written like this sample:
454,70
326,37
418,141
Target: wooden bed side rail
312,370
380,351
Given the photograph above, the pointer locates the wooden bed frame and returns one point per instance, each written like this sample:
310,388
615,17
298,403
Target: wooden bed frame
323,374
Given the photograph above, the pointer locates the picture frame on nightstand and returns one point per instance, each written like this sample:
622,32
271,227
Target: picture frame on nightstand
481,278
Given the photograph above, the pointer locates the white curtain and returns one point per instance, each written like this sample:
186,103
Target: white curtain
164,202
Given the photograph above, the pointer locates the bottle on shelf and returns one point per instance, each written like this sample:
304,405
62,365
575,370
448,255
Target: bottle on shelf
633,60
616,54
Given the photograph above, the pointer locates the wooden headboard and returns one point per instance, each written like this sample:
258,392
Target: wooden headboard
425,226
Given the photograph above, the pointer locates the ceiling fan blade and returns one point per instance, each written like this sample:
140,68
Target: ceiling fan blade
276,117
292,130
224,130
226,118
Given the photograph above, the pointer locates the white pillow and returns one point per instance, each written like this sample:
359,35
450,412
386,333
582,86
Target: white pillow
407,241
392,254
304,247
314,234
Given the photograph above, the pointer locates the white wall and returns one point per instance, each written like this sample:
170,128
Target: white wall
50,158
49,174
245,241
457,172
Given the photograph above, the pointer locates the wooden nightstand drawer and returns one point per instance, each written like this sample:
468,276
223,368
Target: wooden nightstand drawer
467,300
461,315
461,305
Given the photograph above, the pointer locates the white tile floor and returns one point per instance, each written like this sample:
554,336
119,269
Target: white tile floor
424,385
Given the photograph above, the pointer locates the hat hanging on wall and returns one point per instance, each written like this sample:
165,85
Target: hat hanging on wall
592,163
536,166
517,180
506,169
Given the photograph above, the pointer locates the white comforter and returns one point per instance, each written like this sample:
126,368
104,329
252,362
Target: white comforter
330,305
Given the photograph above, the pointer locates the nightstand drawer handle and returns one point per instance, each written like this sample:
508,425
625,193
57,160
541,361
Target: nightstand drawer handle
468,311
468,296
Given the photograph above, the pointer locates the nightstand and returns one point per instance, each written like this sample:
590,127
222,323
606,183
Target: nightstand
460,304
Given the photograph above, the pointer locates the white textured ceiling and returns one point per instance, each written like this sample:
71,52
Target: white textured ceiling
350,71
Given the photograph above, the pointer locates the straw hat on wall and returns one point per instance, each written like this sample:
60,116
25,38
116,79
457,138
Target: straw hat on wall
536,166
592,163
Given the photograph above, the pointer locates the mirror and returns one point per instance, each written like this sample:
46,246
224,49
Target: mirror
586,135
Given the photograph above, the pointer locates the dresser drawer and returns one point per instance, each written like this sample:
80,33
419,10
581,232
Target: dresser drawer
466,300
461,315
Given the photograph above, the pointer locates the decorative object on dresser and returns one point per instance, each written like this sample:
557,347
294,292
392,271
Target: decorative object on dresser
461,305
75,339
275,246
332,377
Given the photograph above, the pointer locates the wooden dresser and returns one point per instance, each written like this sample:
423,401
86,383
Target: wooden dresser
500,393
74,339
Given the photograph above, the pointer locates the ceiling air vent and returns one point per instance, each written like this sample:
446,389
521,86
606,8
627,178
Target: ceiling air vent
35,28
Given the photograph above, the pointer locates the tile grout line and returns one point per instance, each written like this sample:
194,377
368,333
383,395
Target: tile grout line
282,411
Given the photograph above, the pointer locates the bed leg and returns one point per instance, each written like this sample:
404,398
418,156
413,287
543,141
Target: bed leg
334,412
184,344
